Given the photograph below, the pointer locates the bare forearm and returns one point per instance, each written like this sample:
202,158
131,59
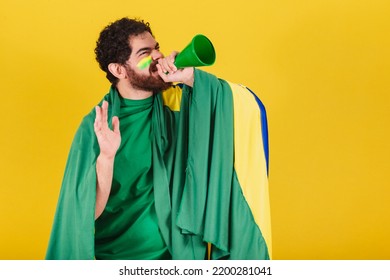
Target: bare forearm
104,174
189,79
170,73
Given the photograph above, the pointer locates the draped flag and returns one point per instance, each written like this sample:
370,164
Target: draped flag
210,175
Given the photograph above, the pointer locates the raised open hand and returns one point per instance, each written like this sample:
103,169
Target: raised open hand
109,140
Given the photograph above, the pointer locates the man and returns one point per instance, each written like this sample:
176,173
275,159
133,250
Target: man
155,172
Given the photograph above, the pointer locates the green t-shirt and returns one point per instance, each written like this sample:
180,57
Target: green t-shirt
128,227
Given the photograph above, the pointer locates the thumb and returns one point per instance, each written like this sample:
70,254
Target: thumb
115,124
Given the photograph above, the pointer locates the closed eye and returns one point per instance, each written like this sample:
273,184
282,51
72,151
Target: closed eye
147,50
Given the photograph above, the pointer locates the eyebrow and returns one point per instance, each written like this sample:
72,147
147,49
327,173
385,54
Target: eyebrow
148,49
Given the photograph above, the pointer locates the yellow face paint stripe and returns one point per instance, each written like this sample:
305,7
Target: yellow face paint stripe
145,62
249,159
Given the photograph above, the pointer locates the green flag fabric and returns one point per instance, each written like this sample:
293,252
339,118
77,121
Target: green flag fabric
130,215
208,177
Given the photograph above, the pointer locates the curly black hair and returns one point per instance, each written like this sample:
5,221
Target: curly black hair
113,44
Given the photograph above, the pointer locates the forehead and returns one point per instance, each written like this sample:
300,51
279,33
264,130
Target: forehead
141,41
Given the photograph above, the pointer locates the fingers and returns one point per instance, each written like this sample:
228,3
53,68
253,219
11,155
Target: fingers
167,64
173,55
163,74
104,112
98,119
115,125
101,117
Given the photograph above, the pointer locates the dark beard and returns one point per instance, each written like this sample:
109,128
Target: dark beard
147,83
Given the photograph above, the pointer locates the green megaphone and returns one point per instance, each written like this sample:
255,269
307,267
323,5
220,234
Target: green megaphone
199,52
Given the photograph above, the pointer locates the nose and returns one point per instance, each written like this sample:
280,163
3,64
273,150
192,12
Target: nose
156,54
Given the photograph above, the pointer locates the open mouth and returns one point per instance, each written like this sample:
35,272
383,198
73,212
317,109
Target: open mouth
153,67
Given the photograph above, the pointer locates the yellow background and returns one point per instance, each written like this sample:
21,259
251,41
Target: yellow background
320,67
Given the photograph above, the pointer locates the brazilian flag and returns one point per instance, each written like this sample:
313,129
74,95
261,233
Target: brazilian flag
210,175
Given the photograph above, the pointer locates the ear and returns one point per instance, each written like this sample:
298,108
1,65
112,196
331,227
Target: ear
117,70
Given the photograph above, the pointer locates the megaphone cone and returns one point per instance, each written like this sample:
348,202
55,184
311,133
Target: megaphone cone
199,52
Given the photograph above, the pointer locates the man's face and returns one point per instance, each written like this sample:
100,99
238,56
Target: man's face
147,79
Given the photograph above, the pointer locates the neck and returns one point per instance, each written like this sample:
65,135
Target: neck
128,92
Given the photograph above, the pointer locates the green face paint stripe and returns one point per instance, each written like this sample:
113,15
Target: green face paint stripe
145,62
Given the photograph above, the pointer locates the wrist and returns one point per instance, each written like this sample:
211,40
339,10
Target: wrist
189,78
106,159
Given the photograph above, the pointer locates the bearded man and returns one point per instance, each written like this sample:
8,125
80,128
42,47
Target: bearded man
152,172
